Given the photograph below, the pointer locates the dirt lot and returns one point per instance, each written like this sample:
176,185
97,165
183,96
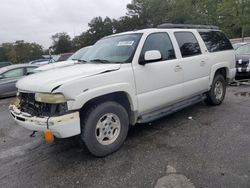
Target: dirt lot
211,149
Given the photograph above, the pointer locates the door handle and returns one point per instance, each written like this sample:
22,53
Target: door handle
203,63
177,68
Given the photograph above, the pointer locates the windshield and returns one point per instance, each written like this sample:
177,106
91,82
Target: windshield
115,49
78,54
244,49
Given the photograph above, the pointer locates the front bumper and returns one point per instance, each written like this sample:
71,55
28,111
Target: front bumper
243,71
61,126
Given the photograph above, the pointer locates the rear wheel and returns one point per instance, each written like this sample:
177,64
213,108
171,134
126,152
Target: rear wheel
216,94
105,128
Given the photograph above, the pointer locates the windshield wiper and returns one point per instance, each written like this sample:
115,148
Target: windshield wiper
100,60
79,60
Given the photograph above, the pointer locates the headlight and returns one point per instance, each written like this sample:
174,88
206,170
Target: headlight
50,98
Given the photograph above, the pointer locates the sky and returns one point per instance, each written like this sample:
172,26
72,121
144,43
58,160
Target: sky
37,20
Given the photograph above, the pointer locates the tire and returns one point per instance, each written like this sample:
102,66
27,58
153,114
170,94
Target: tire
216,94
104,128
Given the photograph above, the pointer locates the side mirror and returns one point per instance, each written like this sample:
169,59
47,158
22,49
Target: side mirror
29,73
151,56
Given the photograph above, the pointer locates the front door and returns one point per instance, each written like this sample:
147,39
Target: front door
8,81
158,83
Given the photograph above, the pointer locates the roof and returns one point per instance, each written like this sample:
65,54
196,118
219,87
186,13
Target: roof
15,66
186,26
170,27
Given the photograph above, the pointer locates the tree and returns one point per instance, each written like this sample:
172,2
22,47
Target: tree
78,41
232,16
98,28
61,43
84,39
154,12
140,8
20,52
126,23
3,54
235,17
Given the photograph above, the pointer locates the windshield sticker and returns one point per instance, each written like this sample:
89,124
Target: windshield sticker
125,43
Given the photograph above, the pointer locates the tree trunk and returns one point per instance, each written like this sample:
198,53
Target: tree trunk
242,33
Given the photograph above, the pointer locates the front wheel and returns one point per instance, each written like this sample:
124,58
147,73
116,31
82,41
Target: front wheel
216,94
105,128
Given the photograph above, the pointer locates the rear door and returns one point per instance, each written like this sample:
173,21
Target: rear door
158,83
8,81
194,63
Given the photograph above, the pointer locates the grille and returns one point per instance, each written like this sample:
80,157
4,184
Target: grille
34,108
242,64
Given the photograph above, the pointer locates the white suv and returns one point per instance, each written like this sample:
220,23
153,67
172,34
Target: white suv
124,79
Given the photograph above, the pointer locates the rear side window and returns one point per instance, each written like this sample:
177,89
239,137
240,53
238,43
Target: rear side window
160,42
216,41
188,44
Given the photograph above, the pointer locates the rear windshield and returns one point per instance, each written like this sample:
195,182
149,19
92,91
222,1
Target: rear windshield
215,41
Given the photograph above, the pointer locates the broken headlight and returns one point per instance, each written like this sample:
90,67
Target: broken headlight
50,98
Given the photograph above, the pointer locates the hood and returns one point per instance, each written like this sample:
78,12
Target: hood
46,81
55,65
243,57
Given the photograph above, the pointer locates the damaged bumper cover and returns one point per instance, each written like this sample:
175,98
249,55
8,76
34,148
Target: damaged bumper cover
61,126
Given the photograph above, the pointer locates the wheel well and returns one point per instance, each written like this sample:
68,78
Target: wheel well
119,97
222,71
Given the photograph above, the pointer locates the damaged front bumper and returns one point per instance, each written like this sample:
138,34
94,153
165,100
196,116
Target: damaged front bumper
61,126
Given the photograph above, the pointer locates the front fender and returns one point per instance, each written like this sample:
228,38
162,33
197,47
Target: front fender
84,97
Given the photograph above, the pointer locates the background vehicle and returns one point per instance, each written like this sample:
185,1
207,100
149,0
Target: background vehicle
4,64
79,53
40,62
63,57
127,78
243,61
237,45
10,75
71,60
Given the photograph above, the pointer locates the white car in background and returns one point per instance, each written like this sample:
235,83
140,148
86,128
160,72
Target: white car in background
76,57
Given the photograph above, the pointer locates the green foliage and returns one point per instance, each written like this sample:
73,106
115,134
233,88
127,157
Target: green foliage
127,23
20,52
235,16
98,28
232,16
3,54
61,43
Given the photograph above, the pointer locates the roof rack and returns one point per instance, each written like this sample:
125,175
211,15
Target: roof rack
187,26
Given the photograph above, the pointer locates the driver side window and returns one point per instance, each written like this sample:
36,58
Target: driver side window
160,42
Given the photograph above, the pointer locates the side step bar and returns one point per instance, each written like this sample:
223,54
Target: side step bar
148,117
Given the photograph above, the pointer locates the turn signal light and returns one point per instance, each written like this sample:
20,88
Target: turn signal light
49,137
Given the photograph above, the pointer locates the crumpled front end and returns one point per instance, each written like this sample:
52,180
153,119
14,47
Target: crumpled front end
39,116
